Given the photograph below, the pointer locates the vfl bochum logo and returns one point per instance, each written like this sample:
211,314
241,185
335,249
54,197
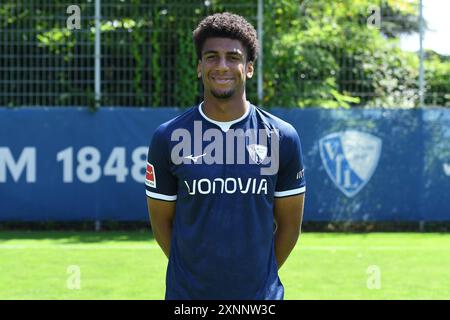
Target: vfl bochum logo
257,152
350,159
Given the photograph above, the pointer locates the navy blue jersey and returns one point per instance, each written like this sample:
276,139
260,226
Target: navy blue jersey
224,177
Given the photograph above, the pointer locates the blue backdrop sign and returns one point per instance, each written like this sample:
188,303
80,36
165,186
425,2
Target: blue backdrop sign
360,165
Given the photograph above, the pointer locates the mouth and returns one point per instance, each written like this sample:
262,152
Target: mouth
222,80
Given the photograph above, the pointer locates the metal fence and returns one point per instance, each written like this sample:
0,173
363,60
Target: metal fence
146,57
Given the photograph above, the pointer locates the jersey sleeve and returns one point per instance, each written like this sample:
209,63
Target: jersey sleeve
291,175
160,183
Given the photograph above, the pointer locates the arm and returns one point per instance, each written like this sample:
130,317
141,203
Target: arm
161,218
288,213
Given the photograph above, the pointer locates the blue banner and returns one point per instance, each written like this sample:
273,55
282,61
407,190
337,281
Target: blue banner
68,164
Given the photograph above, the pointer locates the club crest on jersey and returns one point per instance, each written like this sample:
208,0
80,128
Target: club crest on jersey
150,177
350,159
257,152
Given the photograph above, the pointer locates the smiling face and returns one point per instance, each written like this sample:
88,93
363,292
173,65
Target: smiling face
224,67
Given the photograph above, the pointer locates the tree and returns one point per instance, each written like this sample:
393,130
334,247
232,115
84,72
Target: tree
317,53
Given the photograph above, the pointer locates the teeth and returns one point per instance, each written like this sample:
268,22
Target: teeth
221,79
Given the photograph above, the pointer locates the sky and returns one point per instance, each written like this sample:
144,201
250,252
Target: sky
437,36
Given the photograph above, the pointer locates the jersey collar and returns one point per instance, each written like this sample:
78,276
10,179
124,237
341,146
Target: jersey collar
224,125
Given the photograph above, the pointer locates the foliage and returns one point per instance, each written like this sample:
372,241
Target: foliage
437,80
331,57
316,53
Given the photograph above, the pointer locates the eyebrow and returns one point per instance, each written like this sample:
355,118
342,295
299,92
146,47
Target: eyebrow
236,52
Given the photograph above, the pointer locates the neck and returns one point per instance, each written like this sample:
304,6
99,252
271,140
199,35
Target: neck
225,110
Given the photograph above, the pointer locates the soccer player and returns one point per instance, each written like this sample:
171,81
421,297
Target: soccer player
224,183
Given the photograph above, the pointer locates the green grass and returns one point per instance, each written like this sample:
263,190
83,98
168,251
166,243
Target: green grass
129,265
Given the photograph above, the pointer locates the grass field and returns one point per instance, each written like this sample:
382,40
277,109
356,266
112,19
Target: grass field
130,265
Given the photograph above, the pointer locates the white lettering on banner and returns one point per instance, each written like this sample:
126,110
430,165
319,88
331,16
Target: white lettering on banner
26,161
115,166
66,157
84,164
229,186
139,158
88,169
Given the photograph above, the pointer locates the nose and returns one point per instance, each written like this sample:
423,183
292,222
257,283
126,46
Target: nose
222,64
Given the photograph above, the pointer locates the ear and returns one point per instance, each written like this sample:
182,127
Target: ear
249,69
199,69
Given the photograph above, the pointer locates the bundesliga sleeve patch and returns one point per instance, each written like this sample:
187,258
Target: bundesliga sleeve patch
150,177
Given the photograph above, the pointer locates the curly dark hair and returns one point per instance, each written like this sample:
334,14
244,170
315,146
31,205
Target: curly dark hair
227,25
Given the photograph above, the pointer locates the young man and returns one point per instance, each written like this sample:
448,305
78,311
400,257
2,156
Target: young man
220,174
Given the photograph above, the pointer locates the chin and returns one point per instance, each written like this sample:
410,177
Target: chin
223,94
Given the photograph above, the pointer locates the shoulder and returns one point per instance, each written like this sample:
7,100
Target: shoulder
181,121
285,129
